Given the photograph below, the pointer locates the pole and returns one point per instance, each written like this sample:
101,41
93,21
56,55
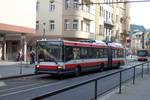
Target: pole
95,89
44,30
21,51
134,75
120,83
143,40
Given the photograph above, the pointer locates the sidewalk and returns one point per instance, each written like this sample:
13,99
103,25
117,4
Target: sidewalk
12,68
139,91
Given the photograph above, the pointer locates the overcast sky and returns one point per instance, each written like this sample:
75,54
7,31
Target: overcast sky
22,13
18,12
140,14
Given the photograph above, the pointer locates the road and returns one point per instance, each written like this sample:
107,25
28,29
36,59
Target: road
26,88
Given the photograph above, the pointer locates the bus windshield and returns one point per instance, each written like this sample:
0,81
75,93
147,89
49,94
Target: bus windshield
49,51
142,53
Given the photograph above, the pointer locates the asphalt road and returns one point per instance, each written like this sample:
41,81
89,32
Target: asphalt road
23,89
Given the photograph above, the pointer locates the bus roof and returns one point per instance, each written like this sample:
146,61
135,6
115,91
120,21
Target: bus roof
85,43
116,45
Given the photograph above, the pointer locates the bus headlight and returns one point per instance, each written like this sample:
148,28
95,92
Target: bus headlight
60,67
37,66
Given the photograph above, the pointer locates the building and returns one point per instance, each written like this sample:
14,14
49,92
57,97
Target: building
104,20
17,25
112,20
91,19
138,35
65,19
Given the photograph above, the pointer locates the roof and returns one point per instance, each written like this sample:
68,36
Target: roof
136,28
17,29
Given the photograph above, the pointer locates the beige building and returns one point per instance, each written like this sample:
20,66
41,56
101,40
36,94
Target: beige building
112,21
65,19
137,41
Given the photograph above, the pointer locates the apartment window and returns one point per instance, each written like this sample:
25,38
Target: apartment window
75,24
67,4
109,15
82,25
104,13
51,6
117,18
66,24
101,29
87,27
37,25
101,11
37,6
106,16
75,4
88,8
51,25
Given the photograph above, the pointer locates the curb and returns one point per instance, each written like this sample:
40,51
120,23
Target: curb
16,76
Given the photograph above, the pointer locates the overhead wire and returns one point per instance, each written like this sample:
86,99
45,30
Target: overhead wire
117,2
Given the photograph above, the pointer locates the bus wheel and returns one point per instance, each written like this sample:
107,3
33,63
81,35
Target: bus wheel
118,65
101,67
77,71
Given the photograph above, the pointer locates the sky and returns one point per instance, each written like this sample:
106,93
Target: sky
18,12
140,14
22,13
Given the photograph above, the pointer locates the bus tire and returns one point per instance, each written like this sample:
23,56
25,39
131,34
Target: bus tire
118,65
101,67
77,71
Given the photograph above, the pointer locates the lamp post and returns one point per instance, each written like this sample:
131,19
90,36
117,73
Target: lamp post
44,24
21,52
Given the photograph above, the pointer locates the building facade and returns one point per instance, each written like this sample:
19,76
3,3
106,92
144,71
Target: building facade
112,20
83,19
65,19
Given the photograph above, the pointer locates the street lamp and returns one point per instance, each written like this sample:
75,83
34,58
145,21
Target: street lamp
44,24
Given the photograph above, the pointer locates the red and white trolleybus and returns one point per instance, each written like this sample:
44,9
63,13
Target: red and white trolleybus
61,56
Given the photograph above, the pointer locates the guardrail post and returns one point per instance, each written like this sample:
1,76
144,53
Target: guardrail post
120,83
95,89
147,67
134,75
142,71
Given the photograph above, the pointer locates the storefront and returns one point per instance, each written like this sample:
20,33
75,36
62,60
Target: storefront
15,40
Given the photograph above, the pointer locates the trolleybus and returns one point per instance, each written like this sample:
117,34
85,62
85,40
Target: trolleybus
61,56
142,55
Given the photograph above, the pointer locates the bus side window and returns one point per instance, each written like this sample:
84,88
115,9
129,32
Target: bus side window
113,53
68,53
105,53
101,52
76,53
83,52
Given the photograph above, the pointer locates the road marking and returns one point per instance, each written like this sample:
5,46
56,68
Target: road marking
2,83
7,94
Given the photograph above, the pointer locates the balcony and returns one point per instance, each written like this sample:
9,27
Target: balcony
88,1
108,22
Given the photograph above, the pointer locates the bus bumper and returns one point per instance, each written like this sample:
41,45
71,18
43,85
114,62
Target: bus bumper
57,72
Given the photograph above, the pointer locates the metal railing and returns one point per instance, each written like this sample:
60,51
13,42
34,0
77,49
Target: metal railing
95,80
